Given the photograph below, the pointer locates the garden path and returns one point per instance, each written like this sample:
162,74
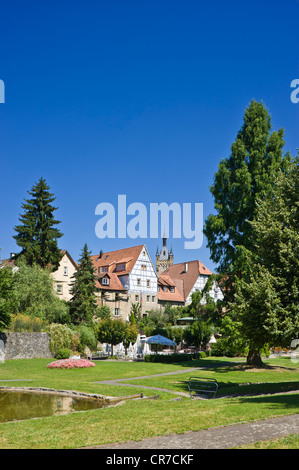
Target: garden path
223,437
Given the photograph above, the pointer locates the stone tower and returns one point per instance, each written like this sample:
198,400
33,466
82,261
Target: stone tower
164,259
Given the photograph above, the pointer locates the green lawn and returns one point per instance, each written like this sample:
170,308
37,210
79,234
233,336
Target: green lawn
145,418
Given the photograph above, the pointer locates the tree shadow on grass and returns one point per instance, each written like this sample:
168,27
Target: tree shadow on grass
288,401
222,365
236,390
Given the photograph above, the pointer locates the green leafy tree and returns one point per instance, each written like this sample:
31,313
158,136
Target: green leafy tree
246,175
173,313
267,296
198,334
83,304
112,332
33,294
38,233
6,297
202,305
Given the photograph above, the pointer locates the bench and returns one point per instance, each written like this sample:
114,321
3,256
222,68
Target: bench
202,387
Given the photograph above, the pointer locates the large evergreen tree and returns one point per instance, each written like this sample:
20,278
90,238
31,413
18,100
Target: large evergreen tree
37,234
267,296
247,174
83,305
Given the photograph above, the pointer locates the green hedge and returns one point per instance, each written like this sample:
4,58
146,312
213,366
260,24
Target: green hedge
168,359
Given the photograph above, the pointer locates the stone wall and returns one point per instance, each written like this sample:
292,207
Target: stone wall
26,345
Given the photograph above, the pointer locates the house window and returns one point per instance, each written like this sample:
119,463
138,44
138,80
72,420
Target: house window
136,298
104,269
120,267
105,281
117,312
147,298
99,270
138,282
153,298
59,289
148,283
65,271
143,267
172,289
165,289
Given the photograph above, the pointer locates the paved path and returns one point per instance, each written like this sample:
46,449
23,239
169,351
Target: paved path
223,437
123,382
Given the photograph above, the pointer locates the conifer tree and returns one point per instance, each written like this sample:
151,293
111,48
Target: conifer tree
247,174
83,305
37,234
266,305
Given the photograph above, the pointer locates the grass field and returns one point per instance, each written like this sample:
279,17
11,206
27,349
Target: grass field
239,386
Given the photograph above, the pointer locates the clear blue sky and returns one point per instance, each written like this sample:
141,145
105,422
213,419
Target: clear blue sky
142,98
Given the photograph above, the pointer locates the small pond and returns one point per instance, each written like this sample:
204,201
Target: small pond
19,405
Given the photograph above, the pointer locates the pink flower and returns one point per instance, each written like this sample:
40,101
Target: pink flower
70,364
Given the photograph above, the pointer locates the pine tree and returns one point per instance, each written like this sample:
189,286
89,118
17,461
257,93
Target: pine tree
37,234
249,172
83,304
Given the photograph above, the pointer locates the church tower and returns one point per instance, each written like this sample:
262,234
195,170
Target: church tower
164,259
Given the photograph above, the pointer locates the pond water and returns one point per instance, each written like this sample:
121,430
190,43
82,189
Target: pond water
16,405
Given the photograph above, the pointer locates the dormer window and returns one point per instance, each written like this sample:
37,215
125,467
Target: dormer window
120,267
165,289
172,289
105,281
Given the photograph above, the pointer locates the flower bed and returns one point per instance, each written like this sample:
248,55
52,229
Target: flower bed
70,364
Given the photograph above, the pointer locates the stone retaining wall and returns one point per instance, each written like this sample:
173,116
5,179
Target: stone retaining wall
26,345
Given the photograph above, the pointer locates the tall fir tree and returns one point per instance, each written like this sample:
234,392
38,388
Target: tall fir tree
83,305
37,234
247,174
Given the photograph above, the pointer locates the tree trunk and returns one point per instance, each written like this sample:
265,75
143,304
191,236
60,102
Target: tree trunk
254,358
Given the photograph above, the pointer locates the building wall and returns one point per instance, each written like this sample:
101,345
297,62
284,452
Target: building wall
62,278
143,283
200,283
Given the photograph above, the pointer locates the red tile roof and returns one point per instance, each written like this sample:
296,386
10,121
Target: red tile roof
183,279
114,282
127,256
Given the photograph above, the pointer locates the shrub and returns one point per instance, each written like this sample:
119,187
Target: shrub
61,337
87,338
63,353
22,323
